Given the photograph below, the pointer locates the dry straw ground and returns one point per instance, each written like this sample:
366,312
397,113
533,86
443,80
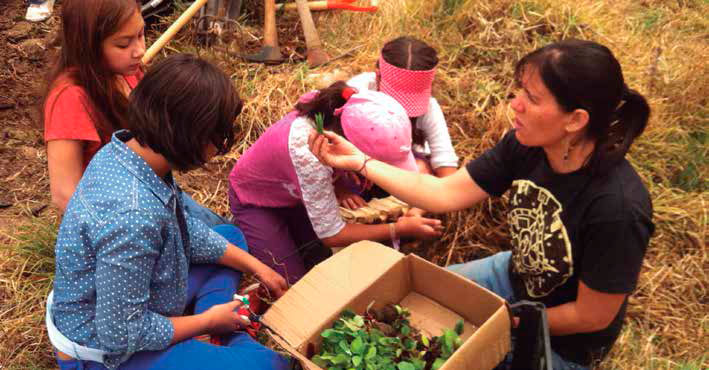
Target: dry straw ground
663,47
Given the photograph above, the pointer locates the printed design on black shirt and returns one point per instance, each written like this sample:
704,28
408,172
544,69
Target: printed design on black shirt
541,253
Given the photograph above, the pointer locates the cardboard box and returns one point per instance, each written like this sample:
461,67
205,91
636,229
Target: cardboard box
368,271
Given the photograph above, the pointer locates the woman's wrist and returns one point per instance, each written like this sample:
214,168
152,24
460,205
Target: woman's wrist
362,169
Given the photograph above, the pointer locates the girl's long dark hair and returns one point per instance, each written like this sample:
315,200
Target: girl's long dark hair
85,25
325,103
585,75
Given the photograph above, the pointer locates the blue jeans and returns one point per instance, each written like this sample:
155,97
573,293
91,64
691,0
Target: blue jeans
201,212
208,285
492,273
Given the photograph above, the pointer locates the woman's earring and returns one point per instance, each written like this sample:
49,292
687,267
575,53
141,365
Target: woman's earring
568,149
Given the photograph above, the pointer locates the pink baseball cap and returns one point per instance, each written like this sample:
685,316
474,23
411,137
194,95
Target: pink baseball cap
378,126
412,89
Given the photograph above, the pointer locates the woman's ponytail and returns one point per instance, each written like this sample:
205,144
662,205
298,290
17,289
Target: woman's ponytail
628,122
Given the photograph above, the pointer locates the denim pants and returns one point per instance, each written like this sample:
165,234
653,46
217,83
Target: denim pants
492,273
201,212
208,285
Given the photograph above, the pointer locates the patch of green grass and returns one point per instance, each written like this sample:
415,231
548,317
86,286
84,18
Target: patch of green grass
651,18
36,242
663,364
520,8
693,365
27,278
693,177
449,7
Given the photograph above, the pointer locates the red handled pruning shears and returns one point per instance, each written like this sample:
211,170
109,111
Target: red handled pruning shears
246,314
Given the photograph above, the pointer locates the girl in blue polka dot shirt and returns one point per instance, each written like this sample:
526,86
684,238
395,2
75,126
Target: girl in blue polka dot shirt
136,276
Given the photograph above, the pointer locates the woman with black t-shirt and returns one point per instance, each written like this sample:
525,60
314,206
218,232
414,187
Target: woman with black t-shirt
580,218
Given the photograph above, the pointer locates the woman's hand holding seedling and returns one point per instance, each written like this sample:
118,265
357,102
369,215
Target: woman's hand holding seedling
333,150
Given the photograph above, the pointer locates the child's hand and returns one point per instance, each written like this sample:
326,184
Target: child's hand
419,227
274,282
223,318
351,201
415,212
333,150
348,199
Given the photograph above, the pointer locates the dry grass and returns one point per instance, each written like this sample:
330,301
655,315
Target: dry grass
663,47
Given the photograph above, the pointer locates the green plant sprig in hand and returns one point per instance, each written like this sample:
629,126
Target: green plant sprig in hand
319,124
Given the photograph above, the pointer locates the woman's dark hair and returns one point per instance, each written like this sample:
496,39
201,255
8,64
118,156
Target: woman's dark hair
325,102
410,53
585,75
182,105
84,28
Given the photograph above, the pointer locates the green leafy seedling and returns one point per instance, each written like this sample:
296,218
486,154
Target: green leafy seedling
319,123
355,342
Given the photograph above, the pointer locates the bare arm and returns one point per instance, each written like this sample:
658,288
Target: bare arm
223,318
65,161
418,227
240,260
445,171
592,311
451,193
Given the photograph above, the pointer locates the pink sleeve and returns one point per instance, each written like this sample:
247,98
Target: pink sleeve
66,116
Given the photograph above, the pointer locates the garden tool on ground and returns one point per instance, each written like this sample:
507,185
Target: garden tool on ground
150,8
315,54
213,17
172,30
270,52
330,4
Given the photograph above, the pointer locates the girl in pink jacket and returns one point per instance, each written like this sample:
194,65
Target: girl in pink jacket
283,198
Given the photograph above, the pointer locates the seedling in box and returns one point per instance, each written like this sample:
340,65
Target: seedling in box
384,339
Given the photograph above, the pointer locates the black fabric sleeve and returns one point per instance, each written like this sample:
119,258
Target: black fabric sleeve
613,255
493,171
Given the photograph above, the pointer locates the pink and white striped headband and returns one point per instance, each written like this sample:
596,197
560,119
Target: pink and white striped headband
412,89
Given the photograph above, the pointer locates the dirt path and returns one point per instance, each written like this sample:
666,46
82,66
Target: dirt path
25,48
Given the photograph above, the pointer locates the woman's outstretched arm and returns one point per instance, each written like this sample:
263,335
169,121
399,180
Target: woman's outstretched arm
438,195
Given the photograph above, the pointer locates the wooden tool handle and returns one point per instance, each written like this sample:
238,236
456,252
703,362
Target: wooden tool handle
313,5
270,35
172,30
312,40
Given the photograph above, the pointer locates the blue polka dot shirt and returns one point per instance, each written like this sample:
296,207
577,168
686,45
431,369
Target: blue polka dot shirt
122,256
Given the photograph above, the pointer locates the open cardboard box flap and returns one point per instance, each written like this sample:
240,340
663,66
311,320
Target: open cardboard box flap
366,271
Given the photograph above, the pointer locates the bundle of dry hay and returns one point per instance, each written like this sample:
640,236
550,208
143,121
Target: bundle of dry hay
663,48
377,211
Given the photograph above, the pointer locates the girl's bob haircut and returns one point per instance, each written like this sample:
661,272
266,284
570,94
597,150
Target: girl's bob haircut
183,105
